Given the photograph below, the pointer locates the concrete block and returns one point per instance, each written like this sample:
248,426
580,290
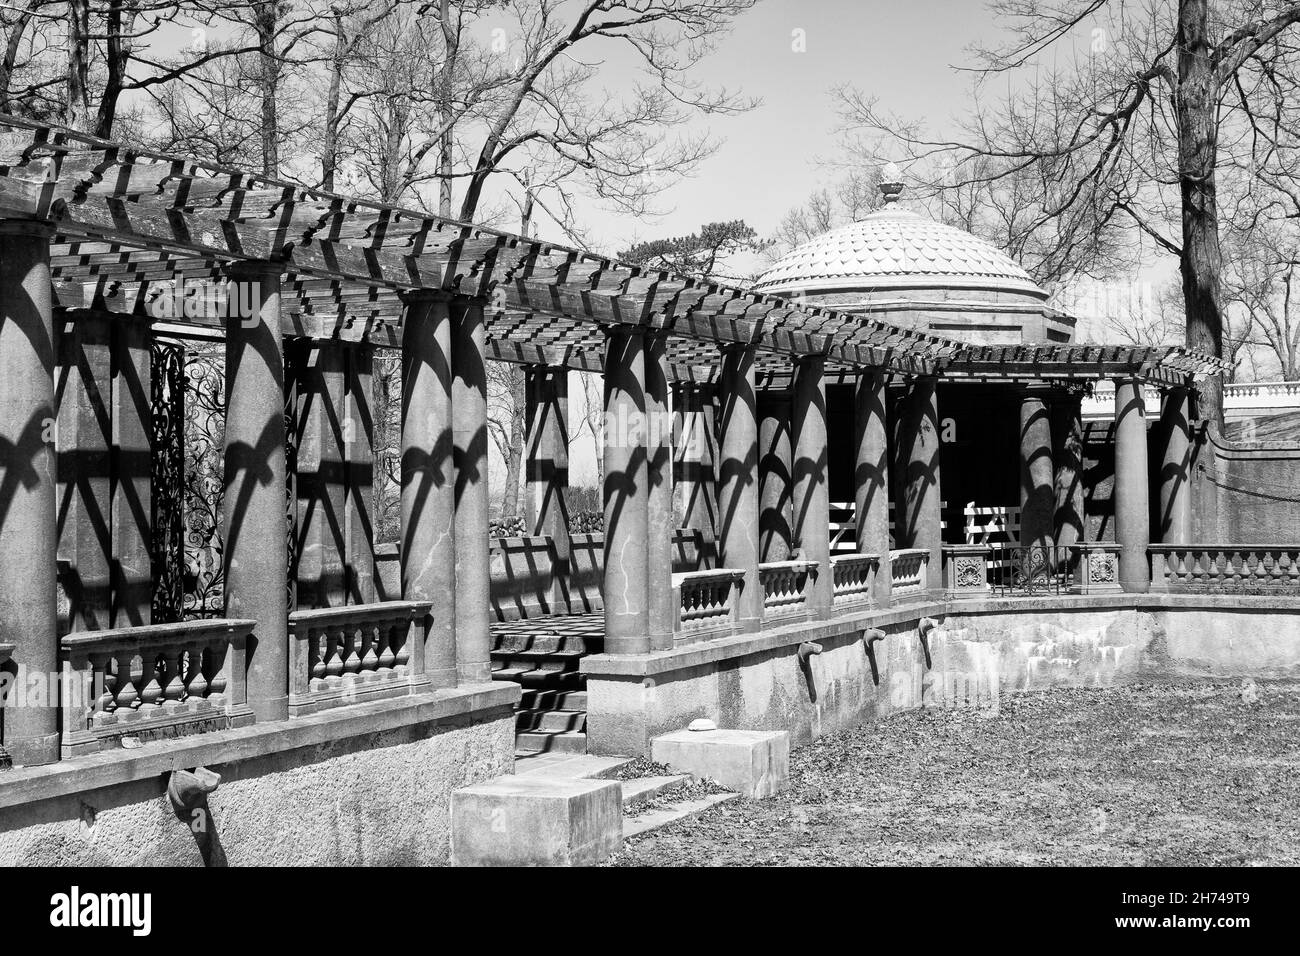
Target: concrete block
535,820
754,763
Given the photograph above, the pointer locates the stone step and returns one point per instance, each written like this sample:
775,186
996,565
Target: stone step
553,700
571,741
641,789
567,660
540,643
661,817
550,720
541,679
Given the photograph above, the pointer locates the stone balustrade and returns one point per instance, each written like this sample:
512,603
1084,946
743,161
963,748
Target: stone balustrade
706,602
909,572
966,570
785,586
6,652
1095,567
1267,569
854,577
153,681
356,653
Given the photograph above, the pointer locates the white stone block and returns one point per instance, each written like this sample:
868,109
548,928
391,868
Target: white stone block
534,820
754,763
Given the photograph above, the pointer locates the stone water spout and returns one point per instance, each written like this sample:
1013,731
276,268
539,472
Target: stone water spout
923,630
869,638
806,652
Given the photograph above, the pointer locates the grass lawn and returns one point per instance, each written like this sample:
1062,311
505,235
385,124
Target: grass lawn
1195,773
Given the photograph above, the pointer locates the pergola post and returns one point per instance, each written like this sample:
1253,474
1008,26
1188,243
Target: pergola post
919,520
1067,456
775,471
738,480
694,475
469,433
811,497
131,487
871,475
85,438
254,507
28,533
428,549
1175,431
659,500
546,390
626,494
320,480
1132,512
1037,477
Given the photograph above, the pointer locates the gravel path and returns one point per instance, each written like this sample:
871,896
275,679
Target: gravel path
1169,774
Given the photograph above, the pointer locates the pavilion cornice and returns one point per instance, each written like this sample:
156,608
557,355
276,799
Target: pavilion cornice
1168,365
130,222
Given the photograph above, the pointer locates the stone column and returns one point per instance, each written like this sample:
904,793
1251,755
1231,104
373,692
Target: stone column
85,438
811,498
320,479
469,432
254,508
694,474
1037,478
1069,525
428,548
871,475
775,468
28,532
1132,515
546,390
132,467
1175,434
626,495
659,501
359,455
919,519
738,480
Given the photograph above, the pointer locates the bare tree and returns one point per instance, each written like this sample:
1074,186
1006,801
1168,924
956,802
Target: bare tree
1134,135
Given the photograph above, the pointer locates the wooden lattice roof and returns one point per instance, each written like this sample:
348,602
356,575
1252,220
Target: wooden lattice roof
132,225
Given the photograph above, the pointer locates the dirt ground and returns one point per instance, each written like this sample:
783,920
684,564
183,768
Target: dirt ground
1203,773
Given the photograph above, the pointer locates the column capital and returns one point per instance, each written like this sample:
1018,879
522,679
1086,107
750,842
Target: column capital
252,268
36,228
409,296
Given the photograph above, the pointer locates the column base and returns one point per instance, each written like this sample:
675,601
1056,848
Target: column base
276,708
33,751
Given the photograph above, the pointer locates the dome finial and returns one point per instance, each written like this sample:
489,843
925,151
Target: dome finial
891,183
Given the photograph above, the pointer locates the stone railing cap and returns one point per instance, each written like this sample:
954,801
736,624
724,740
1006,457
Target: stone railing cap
144,633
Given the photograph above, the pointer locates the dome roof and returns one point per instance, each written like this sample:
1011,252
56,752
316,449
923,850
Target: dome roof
895,248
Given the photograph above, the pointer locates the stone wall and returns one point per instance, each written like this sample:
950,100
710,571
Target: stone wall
1247,492
980,651
522,571
343,798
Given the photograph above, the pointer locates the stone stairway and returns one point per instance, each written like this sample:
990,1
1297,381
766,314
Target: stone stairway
543,656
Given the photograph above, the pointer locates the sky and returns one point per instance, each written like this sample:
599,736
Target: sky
773,156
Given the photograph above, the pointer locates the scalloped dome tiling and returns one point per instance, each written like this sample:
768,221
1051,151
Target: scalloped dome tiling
895,248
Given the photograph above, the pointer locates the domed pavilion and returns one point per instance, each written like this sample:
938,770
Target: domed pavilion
905,268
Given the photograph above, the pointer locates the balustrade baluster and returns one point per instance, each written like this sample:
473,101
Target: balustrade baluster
125,695
401,636
152,691
196,682
174,689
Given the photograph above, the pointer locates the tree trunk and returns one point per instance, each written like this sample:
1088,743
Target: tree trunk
265,19
329,152
17,31
117,56
1201,262
76,113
